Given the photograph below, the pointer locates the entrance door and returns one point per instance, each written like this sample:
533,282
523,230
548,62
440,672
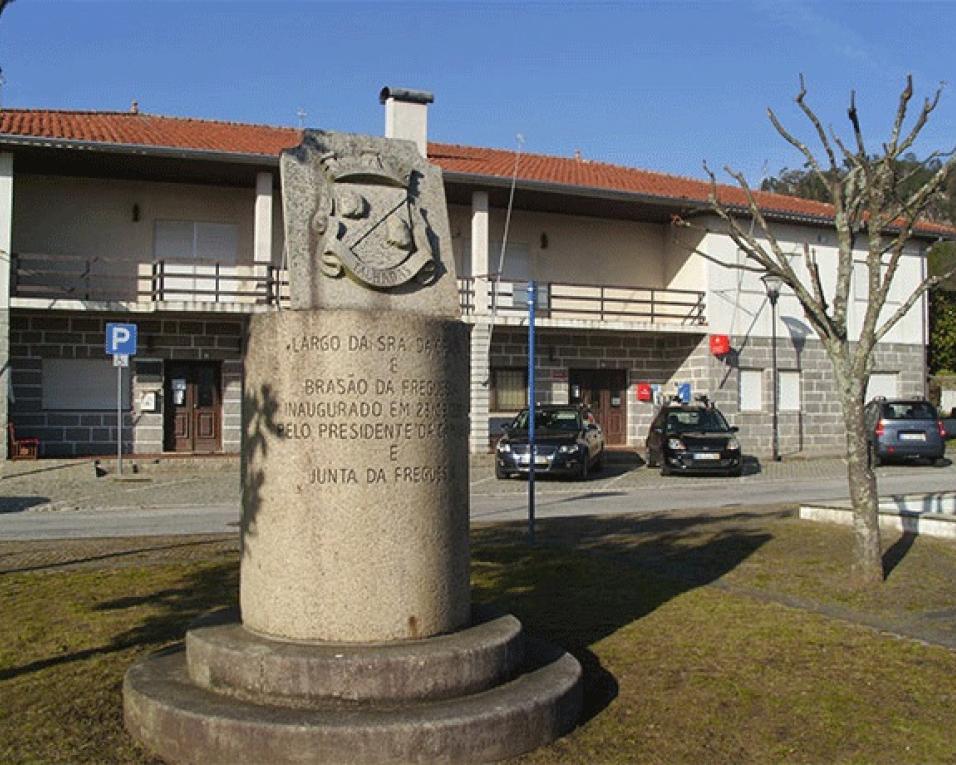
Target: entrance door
603,391
193,406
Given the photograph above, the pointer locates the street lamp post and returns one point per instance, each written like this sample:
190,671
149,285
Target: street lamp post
773,283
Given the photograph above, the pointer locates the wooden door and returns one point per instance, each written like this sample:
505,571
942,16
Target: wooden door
193,406
603,391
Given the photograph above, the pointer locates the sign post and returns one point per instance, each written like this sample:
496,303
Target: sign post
532,300
120,344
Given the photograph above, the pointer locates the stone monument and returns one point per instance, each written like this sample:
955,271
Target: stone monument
356,640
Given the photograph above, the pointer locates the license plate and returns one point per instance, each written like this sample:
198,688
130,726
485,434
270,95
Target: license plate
912,436
707,456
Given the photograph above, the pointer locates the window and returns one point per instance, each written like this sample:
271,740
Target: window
898,291
881,384
509,390
82,384
196,240
909,410
684,420
789,390
751,390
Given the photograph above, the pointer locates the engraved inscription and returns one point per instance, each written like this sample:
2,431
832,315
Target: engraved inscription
389,408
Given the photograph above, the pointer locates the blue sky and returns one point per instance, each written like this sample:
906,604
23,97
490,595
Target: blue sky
660,85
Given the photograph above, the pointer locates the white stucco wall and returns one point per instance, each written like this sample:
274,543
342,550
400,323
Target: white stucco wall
579,249
737,300
84,217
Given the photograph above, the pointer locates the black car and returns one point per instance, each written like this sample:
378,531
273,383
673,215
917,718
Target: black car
567,442
903,429
693,438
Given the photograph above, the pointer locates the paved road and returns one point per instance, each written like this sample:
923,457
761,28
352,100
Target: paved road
91,508
609,499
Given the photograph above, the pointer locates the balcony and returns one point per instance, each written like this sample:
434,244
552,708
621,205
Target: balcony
113,283
565,302
69,281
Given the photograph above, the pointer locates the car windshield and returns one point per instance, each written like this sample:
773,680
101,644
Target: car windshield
549,419
684,420
909,410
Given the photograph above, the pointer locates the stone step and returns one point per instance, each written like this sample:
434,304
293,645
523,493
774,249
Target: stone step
225,657
183,723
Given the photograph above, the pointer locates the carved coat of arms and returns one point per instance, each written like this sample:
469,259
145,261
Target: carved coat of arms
368,225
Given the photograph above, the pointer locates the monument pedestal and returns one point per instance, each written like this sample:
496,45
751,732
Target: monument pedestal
483,694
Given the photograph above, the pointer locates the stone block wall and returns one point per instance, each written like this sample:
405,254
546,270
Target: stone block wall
480,399
645,357
666,359
35,336
4,378
818,424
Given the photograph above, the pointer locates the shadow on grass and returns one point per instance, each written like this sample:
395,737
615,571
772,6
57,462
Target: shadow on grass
171,611
19,504
588,577
106,556
897,551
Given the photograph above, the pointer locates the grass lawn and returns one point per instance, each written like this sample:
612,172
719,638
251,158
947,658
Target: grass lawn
706,637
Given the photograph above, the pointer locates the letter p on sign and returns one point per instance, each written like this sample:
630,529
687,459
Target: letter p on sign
121,339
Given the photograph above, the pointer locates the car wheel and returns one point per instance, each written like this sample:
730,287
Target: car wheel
583,472
651,460
499,472
736,472
599,462
874,456
665,470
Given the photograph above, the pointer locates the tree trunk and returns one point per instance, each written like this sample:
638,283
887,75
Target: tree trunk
868,556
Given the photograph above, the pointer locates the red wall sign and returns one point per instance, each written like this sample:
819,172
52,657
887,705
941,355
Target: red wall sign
644,392
719,344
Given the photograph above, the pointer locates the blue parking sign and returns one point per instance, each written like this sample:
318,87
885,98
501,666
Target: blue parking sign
683,392
121,339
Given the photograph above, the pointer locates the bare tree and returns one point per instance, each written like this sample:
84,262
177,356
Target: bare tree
871,216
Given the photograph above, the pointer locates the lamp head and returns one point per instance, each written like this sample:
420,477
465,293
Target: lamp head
772,283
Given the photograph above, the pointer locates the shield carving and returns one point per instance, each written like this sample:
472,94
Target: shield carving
368,224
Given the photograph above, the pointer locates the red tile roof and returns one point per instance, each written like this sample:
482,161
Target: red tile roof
135,129
147,130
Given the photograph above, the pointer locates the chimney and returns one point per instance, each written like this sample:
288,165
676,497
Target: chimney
406,115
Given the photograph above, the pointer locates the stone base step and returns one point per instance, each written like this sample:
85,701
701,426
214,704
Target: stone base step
223,656
183,723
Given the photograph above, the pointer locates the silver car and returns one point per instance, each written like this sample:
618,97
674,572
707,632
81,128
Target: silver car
903,429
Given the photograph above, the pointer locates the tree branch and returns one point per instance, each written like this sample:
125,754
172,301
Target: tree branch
814,120
929,105
890,148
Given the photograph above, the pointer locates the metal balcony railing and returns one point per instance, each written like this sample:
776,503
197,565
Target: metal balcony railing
65,277
596,302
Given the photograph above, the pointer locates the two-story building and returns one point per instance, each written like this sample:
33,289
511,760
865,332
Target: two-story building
176,225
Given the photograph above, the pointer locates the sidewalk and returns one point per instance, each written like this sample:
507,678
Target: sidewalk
43,485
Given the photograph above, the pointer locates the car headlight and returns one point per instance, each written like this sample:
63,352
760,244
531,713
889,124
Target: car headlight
733,445
570,448
676,444
504,446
